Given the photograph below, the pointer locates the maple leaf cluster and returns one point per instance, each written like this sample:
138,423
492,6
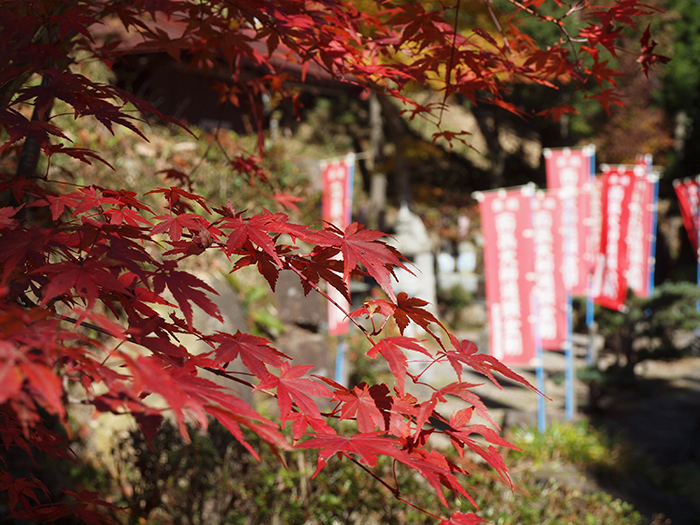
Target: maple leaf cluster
91,302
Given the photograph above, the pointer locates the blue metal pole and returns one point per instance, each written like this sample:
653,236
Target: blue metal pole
539,357
539,370
654,220
569,355
340,361
590,307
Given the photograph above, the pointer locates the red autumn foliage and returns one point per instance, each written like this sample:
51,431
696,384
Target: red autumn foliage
83,269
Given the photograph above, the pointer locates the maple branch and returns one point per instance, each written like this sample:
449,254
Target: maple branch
394,490
227,375
448,76
393,471
416,378
557,21
506,42
90,326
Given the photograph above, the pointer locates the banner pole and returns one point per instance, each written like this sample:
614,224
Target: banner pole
539,354
590,307
539,370
340,361
570,401
590,320
654,177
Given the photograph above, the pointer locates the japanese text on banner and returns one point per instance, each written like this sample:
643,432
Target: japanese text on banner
639,236
610,284
550,289
569,170
509,269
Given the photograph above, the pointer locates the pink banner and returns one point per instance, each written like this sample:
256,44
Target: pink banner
509,268
336,205
569,170
689,200
549,256
596,216
610,284
639,236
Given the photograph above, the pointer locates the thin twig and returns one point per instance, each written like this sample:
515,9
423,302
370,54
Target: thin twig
448,77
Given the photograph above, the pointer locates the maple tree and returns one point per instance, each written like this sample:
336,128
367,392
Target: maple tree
91,301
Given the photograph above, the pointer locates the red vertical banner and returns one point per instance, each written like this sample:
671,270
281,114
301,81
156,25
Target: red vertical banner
548,265
337,177
509,271
596,216
689,201
569,170
639,235
610,283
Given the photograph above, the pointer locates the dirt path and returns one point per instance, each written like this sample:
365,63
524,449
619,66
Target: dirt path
661,417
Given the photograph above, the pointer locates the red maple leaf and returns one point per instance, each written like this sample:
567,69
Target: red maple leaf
607,97
361,246
557,112
411,308
44,384
87,278
89,198
438,471
126,198
301,422
255,352
366,446
288,201
463,391
185,287
265,263
21,490
359,403
404,310
466,353
149,377
175,223
254,230
461,438
6,213
126,215
390,349
293,389
232,419
321,264
174,195
463,519
647,57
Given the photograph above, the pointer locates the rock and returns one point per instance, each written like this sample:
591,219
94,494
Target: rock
295,307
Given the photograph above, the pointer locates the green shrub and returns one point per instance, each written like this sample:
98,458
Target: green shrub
213,481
